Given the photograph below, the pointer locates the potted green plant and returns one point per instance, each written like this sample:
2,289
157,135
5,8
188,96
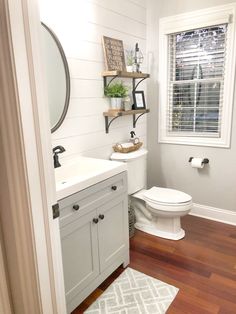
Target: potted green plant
129,60
116,92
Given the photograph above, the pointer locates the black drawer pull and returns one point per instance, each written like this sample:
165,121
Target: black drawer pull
95,220
114,187
101,217
76,207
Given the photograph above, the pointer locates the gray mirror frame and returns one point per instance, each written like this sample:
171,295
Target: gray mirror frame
67,74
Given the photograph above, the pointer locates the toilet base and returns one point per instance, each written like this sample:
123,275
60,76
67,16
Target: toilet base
159,233
161,223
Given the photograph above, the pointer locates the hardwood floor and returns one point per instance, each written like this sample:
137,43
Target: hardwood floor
202,266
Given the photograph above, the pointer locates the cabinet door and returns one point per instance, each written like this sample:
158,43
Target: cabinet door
79,254
112,230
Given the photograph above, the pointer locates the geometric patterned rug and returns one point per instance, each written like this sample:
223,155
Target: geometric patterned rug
134,293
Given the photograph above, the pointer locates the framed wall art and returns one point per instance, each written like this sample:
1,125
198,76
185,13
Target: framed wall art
139,100
114,54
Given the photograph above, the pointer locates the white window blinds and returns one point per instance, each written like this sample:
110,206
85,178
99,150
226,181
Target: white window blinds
196,78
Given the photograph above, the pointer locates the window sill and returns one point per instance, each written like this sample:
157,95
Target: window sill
195,141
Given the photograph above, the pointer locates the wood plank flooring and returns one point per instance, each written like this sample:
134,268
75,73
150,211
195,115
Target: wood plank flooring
202,266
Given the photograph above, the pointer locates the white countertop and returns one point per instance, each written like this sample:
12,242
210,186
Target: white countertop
82,172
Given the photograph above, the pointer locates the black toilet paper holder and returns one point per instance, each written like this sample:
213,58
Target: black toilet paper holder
204,161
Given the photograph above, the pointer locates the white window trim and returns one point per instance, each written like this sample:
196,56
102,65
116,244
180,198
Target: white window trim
187,21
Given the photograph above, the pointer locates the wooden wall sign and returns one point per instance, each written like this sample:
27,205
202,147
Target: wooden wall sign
114,54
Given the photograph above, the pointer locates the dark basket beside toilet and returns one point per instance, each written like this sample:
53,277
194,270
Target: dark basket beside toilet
131,221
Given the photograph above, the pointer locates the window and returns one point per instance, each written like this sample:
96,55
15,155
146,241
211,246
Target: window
195,102
196,79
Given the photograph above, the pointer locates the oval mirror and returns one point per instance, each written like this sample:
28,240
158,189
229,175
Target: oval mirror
57,77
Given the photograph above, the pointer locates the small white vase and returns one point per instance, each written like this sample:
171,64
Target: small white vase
116,103
127,103
129,68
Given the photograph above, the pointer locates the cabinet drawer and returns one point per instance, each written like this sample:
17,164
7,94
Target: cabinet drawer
81,203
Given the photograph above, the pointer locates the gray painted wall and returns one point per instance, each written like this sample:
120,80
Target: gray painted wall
168,166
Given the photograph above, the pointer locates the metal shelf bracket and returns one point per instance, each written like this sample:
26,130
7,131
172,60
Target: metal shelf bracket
105,83
136,119
108,123
136,85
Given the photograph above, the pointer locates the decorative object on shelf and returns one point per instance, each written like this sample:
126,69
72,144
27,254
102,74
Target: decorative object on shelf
139,100
116,92
129,60
127,104
138,58
114,54
126,147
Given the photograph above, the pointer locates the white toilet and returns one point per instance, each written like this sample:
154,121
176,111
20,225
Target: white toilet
157,210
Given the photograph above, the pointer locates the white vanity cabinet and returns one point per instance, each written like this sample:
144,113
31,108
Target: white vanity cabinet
94,236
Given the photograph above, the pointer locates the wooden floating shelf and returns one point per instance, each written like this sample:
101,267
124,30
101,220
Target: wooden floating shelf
124,113
115,114
125,74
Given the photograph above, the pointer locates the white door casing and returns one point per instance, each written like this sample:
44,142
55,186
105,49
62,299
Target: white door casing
27,160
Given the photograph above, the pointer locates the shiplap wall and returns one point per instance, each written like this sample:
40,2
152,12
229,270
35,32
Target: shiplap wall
80,25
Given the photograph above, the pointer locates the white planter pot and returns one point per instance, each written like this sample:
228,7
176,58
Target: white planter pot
116,103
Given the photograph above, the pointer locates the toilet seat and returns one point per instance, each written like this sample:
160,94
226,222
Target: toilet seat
169,208
167,199
166,196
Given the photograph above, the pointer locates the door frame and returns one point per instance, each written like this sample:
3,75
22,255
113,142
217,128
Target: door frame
31,236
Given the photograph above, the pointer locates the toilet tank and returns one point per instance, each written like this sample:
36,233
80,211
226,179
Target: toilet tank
136,164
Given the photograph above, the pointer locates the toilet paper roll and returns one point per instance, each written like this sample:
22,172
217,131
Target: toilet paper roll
197,163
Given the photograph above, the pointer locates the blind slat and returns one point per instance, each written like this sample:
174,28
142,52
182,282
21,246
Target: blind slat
193,81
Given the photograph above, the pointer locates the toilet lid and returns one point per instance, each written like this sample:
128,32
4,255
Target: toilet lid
164,196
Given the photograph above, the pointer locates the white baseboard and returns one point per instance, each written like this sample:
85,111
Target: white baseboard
213,213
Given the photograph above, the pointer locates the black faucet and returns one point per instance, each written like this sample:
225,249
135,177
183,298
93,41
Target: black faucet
57,150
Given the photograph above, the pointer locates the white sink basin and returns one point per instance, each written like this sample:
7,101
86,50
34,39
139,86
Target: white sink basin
83,172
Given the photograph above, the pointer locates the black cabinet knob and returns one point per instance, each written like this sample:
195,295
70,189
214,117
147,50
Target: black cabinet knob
95,220
76,207
114,187
101,217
